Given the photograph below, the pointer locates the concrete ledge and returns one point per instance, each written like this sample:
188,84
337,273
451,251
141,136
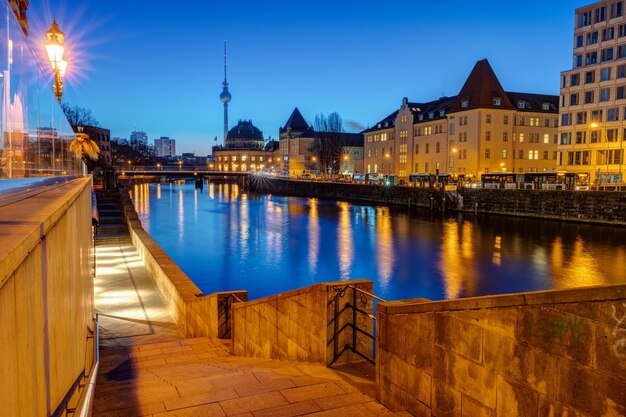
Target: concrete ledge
537,298
197,315
24,222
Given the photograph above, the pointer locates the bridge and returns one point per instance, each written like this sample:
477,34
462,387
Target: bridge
182,171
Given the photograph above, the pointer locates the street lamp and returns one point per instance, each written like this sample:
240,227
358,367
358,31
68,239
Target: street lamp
158,165
180,165
55,48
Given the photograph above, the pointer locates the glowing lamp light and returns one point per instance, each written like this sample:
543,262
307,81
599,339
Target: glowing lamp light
594,125
345,157
55,44
55,48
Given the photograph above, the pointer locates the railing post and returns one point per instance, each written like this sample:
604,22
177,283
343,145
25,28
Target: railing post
354,323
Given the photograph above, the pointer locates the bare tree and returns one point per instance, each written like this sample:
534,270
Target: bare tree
328,146
79,116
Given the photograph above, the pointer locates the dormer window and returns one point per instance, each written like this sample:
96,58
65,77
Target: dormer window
420,117
442,113
497,101
379,126
465,103
521,104
431,115
545,106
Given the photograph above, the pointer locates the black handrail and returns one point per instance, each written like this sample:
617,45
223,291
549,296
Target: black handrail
223,310
353,347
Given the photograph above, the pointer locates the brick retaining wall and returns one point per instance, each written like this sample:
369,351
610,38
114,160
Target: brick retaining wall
604,207
548,353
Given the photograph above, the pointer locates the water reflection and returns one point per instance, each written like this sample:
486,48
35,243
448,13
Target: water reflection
345,248
384,251
228,240
314,235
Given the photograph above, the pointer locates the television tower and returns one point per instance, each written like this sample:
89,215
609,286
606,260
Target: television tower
225,97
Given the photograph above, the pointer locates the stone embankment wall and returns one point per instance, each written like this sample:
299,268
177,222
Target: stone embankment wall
197,315
300,325
549,353
580,206
47,347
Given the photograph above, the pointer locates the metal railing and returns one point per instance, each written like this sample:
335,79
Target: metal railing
224,316
84,383
353,323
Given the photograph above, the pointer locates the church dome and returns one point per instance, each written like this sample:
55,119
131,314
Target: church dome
245,135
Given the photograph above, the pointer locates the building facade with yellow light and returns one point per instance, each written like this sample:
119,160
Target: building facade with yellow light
297,138
593,96
481,130
245,150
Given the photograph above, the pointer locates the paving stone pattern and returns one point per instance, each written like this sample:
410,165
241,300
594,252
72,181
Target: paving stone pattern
199,377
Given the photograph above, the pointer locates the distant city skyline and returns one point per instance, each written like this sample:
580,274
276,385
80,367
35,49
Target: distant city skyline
161,68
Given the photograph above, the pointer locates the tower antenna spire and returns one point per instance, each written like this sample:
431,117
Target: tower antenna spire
225,97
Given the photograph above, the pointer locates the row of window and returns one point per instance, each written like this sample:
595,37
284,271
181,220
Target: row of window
603,157
605,55
429,130
243,158
606,74
595,136
240,168
590,96
378,137
600,14
612,115
388,154
608,34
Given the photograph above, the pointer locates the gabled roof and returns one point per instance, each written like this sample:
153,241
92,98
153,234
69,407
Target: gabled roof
542,103
386,123
296,122
437,109
480,90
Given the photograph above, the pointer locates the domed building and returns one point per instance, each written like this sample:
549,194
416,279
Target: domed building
245,150
244,136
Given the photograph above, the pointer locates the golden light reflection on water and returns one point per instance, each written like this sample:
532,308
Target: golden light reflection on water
345,248
579,269
457,259
497,254
158,191
385,258
314,235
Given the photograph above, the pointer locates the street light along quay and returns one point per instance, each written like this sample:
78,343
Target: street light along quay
55,48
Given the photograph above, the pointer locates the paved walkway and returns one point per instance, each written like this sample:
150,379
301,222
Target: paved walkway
131,311
148,369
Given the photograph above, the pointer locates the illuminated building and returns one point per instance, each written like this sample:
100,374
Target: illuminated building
593,111
245,150
483,129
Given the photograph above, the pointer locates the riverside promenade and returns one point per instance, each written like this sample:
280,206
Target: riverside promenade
148,369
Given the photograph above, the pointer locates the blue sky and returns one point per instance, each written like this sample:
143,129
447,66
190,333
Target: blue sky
157,66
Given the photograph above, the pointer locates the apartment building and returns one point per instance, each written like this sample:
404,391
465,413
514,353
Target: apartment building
481,130
593,96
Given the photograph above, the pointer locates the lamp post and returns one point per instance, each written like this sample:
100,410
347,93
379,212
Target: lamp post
55,48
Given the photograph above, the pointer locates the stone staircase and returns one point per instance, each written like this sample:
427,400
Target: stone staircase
200,377
113,227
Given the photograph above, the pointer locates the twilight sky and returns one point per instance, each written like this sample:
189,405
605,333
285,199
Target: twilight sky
156,65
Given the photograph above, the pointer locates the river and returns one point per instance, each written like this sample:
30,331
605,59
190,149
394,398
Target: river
224,239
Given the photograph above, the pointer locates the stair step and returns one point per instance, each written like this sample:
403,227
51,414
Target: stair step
108,229
112,220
